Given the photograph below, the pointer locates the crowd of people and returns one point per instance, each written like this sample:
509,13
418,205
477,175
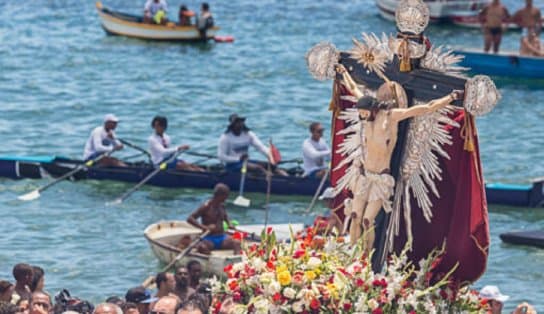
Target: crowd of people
232,151
495,19
181,292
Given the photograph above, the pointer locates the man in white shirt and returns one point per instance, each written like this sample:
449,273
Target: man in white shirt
160,147
155,11
102,140
234,145
314,152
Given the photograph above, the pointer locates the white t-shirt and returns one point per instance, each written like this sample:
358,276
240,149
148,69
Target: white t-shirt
154,7
159,147
99,142
314,154
232,147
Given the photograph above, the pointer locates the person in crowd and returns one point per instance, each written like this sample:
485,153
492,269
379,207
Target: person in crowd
38,279
234,144
155,11
204,296
212,214
161,149
329,222
192,306
185,16
130,308
314,152
195,271
529,17
166,283
8,308
40,303
494,298
6,290
103,141
524,308
205,20
23,279
107,308
141,297
530,44
116,300
23,305
182,290
166,305
493,18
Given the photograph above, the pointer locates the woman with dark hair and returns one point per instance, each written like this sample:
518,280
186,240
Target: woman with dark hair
161,149
38,279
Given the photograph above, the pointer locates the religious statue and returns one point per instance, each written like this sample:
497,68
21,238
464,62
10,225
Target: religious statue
402,142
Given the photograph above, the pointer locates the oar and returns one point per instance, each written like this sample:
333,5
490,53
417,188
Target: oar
36,193
268,188
318,191
136,147
240,199
162,166
201,155
197,240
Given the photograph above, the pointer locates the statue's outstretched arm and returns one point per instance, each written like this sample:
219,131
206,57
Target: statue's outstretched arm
432,106
348,81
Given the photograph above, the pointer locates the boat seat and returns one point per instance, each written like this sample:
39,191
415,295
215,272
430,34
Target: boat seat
222,253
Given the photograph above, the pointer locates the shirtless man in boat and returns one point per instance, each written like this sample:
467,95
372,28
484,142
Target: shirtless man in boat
492,17
373,186
530,44
529,17
212,214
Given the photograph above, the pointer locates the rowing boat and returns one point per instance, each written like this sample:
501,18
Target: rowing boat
164,236
502,64
123,24
15,167
531,238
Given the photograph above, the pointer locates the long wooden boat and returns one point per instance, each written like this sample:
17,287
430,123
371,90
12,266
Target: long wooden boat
164,236
123,24
531,238
473,21
439,11
503,64
38,167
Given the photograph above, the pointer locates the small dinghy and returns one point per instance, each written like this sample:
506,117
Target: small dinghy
531,238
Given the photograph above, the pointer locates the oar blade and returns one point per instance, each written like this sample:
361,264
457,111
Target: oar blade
29,196
117,201
241,201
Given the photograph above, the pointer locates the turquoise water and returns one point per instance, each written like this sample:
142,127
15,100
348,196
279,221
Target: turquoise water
60,73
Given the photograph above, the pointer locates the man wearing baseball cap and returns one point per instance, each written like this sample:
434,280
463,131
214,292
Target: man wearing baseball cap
330,222
141,297
494,297
103,141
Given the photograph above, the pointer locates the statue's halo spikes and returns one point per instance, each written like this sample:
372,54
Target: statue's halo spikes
481,95
322,60
412,16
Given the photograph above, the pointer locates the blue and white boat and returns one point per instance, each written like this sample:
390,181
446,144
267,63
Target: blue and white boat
502,64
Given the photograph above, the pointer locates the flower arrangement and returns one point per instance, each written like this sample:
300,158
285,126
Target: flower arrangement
312,274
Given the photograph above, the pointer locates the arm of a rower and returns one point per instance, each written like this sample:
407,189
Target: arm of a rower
98,146
193,218
256,142
309,150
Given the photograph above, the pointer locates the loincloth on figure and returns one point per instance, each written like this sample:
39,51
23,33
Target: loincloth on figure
378,187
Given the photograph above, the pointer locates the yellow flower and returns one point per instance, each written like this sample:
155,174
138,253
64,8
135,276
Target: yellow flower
284,278
310,275
281,268
331,287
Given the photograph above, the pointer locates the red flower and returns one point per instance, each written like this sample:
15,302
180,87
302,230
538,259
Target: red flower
236,296
270,265
276,297
347,306
315,304
380,283
227,268
239,235
444,294
377,311
233,285
269,230
412,312
298,254
359,282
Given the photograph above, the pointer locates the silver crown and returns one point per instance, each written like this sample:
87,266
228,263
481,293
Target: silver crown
481,95
412,16
321,60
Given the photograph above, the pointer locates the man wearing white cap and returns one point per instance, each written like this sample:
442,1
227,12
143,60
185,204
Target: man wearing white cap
495,298
102,140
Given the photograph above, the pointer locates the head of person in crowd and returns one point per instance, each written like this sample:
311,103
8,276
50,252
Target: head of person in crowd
316,131
221,193
190,307
204,7
195,272
23,306
182,278
107,308
23,274
6,290
166,283
64,302
166,305
40,303
328,197
130,308
204,292
494,298
8,308
110,121
524,308
141,297
237,124
116,300
38,279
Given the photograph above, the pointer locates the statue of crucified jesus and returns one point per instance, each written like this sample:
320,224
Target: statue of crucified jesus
373,185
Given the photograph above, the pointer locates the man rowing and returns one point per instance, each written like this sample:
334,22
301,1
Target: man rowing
234,144
212,214
102,142
160,147
314,152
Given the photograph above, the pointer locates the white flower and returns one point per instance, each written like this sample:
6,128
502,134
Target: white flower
238,267
429,307
272,288
261,305
258,264
306,296
266,278
373,304
298,306
289,293
313,263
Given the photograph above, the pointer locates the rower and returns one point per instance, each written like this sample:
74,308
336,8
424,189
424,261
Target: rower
314,152
234,145
102,140
212,214
185,16
161,149
155,11
530,44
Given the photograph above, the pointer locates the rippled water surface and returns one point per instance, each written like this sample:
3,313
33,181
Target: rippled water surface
60,73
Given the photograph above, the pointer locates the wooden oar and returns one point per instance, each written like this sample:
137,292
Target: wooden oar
150,279
36,193
136,147
240,199
319,188
162,166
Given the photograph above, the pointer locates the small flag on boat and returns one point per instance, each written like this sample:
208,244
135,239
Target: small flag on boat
274,151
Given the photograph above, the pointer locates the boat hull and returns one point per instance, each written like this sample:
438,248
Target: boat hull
503,64
439,11
531,238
